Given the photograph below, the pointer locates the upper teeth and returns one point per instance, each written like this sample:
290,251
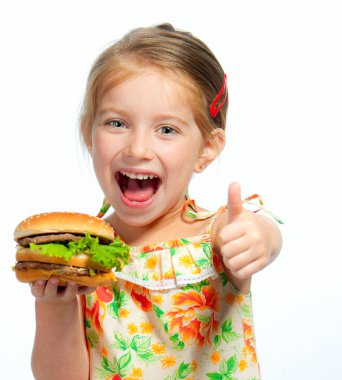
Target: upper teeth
138,176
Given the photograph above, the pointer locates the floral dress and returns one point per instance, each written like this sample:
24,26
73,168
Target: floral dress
172,314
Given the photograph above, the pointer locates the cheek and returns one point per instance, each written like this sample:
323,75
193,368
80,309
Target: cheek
101,148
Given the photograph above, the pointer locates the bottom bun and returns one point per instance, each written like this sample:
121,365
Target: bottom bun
31,275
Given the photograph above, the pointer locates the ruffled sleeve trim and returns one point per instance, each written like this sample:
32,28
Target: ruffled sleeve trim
170,264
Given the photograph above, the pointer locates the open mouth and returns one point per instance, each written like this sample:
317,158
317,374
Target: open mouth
137,187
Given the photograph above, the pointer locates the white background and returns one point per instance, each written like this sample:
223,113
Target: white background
283,61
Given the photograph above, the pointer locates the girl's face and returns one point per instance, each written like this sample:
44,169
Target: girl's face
145,147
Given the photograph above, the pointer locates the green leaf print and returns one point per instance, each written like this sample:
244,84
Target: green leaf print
147,356
203,263
93,338
178,344
181,372
173,251
195,286
119,342
246,311
120,367
119,299
227,326
87,323
217,340
141,344
214,376
227,331
226,369
232,364
124,362
224,278
111,366
207,250
184,370
144,255
158,311
229,336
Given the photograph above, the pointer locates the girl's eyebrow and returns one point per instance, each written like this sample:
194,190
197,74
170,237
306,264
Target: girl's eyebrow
103,111
160,117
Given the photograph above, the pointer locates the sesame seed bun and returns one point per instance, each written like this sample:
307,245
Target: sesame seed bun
58,222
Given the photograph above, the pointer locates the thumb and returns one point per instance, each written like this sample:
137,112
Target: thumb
235,206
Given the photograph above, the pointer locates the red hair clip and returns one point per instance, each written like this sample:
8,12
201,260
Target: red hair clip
214,108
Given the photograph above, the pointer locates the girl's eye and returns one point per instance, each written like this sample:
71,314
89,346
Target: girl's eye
167,131
116,123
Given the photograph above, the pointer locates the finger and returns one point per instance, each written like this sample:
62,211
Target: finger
37,288
235,248
85,290
235,207
249,270
231,232
51,287
70,291
240,261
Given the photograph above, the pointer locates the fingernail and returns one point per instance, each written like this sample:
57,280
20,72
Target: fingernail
54,281
40,282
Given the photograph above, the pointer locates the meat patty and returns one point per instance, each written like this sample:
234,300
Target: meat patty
53,238
65,269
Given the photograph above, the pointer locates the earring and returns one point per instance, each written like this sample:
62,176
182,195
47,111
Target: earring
202,167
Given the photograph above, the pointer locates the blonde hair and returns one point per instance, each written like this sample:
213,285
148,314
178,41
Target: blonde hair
171,50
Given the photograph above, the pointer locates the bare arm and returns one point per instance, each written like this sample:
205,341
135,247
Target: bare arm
59,350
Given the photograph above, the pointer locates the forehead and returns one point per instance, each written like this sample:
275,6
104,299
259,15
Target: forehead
152,87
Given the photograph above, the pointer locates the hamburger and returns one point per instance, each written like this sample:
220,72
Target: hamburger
68,245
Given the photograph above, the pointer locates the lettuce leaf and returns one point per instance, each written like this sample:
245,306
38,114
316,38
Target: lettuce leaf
113,255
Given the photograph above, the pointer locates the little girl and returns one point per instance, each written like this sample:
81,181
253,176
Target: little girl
154,113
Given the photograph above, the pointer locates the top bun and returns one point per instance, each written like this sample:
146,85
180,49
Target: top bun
58,222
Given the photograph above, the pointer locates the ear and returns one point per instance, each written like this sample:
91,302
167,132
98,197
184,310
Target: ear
212,147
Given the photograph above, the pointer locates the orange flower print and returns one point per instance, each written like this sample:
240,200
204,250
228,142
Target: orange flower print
194,365
170,274
96,313
141,297
168,361
151,262
158,348
249,340
146,327
215,357
123,313
242,365
196,271
158,299
156,276
132,328
230,298
239,298
217,263
186,261
104,351
137,373
194,316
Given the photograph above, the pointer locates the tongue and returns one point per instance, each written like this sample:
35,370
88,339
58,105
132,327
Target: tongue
139,190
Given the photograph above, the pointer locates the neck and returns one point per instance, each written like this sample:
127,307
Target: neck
169,226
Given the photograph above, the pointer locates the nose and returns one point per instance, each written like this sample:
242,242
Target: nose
139,146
